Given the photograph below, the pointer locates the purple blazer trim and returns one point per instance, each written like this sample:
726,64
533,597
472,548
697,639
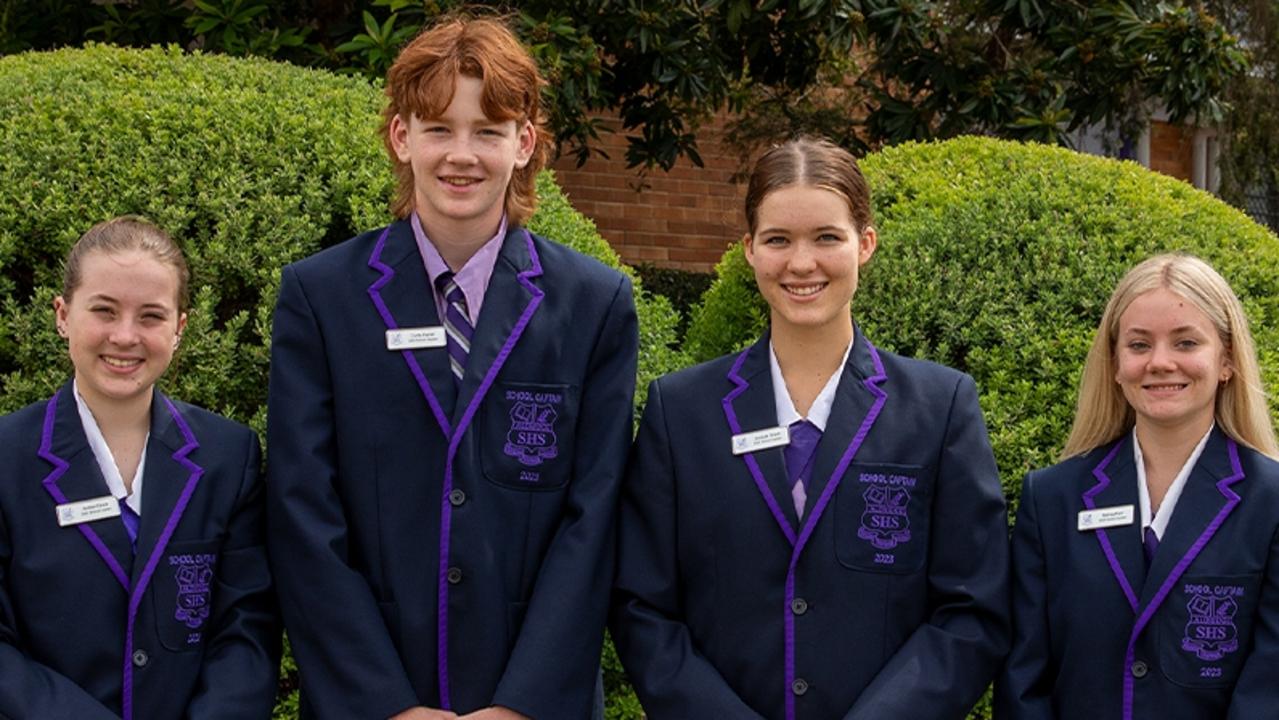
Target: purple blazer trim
1103,482
375,262
50,483
455,434
797,545
1232,499
135,598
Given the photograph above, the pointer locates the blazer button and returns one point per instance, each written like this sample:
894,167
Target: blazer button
800,686
1139,669
454,575
799,606
457,497
140,658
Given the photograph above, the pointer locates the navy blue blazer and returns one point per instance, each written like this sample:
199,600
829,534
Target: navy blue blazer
188,627
888,600
1098,636
449,547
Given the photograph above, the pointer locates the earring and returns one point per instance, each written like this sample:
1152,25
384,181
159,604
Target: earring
62,330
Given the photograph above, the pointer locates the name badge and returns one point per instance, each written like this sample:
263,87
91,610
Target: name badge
415,338
83,511
1105,517
760,440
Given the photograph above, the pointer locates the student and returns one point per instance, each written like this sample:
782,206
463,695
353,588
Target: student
449,415
812,528
1146,563
133,574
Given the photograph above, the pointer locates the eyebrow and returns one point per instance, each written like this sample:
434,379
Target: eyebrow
1178,329
99,297
785,231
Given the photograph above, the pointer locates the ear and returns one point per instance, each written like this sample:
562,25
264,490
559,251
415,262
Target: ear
1227,368
526,137
182,325
398,131
60,310
866,245
748,249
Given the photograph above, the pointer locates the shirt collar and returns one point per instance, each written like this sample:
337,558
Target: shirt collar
473,278
1160,520
106,461
819,413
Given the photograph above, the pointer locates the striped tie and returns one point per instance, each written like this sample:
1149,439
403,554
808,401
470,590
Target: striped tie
457,323
131,522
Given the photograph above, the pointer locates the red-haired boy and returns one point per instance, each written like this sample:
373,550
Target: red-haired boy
449,416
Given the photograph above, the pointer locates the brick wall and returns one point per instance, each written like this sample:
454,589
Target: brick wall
1171,149
684,218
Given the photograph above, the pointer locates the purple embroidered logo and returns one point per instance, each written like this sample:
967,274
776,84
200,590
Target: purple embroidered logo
1211,631
193,573
885,521
531,439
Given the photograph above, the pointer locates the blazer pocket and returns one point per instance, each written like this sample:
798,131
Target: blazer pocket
527,435
882,514
182,590
1205,628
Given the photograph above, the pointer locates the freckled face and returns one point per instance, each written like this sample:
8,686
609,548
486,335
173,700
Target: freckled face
122,325
807,253
462,163
1170,361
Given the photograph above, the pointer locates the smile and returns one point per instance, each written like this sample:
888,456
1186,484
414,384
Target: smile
805,290
460,181
121,362
1165,387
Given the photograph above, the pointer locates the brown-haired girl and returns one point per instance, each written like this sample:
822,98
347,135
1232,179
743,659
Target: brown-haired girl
812,528
449,414
133,577
1146,563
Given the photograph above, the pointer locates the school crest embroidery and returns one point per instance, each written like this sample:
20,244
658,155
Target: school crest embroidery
885,522
193,574
531,439
1211,631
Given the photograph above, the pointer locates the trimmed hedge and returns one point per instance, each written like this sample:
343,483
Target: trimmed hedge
249,164
997,258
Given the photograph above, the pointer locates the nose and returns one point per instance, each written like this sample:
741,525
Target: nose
803,258
1161,358
461,150
124,333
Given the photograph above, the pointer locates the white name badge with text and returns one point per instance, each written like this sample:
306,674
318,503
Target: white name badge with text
1106,517
83,511
760,440
416,338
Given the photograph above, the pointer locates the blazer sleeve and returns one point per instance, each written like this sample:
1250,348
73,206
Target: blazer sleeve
557,652
949,661
1024,688
348,664
670,675
242,656
1257,692
29,689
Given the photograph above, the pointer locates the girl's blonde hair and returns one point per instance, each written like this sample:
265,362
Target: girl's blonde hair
1103,414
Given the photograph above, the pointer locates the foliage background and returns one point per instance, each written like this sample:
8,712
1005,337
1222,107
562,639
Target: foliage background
250,165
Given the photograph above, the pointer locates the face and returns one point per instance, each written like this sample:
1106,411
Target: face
122,325
462,163
1170,361
806,254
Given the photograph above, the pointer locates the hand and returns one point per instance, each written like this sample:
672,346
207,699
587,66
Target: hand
495,713
424,713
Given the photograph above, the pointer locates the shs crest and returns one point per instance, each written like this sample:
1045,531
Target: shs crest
531,439
193,574
885,521
1211,631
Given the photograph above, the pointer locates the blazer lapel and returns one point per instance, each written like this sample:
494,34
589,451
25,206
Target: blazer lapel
510,301
75,476
858,402
1205,503
1116,485
169,480
401,292
750,406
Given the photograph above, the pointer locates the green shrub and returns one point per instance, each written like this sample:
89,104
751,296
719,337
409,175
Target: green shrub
250,164
997,258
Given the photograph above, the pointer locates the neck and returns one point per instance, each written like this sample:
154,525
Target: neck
1166,448
808,356
458,241
120,416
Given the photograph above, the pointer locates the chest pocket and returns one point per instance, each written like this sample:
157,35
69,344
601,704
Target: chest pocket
182,589
527,440
882,514
1205,628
